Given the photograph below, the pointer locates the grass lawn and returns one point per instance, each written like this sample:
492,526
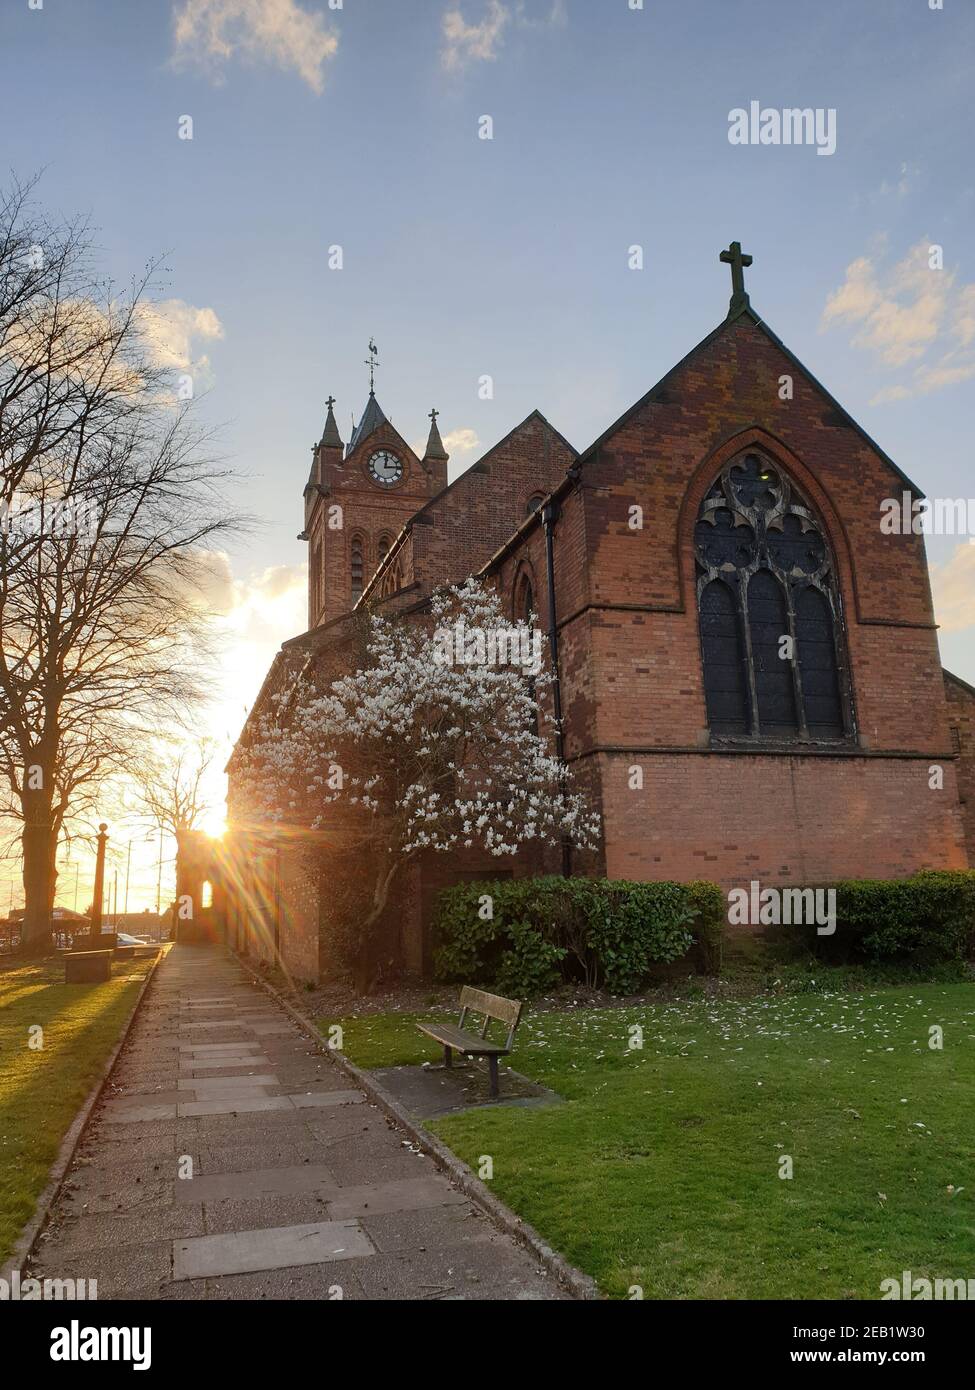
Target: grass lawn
42,1090
662,1169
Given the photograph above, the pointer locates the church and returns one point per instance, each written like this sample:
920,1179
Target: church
745,665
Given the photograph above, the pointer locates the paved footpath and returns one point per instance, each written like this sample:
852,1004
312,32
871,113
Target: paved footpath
300,1187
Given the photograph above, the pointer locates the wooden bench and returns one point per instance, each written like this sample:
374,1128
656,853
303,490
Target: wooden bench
455,1039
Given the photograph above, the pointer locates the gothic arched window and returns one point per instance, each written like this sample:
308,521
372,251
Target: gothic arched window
769,609
523,611
392,581
524,600
382,549
356,550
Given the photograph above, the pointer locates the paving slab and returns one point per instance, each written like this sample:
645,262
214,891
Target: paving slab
111,1231
284,1150
242,1105
291,1285
319,1100
201,1066
137,1114
403,1194
263,1213
225,1084
255,1183
130,1267
280,1247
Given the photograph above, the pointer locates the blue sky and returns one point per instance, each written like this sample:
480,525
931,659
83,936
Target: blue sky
358,126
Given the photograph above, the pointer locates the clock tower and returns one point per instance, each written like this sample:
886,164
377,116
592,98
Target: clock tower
357,499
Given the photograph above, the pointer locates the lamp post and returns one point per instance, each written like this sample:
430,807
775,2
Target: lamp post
128,865
99,889
159,872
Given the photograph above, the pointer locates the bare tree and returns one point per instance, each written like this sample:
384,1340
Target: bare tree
171,795
171,788
71,363
113,509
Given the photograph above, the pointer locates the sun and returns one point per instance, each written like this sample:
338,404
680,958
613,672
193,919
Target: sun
214,825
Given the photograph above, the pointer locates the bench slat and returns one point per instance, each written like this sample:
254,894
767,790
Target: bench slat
468,1043
493,1005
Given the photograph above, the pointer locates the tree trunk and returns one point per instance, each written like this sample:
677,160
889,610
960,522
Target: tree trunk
39,842
365,965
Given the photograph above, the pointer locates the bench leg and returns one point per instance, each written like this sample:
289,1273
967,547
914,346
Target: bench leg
448,1057
493,1068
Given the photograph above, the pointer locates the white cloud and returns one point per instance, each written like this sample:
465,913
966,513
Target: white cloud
88,337
901,186
208,33
461,441
904,315
272,601
953,588
171,328
465,43
554,18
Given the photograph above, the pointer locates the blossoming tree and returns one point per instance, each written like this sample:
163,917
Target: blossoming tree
431,746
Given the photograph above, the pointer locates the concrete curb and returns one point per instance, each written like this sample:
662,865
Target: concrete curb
576,1283
27,1240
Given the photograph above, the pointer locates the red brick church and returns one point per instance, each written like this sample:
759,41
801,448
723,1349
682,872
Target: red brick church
734,504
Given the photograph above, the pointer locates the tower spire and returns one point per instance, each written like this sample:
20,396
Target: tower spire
331,438
435,448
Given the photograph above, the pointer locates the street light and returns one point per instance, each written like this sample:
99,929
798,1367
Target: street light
99,890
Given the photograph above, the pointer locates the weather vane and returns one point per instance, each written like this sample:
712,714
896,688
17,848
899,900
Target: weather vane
372,362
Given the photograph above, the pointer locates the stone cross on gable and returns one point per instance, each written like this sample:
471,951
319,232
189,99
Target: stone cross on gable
738,261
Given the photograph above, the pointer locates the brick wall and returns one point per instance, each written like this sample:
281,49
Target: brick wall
630,653
961,718
801,820
298,914
458,531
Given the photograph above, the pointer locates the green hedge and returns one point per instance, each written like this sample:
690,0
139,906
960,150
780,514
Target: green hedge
543,931
924,919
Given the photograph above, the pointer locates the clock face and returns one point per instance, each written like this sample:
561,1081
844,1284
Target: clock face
385,468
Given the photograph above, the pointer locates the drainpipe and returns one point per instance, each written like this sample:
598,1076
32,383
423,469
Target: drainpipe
549,514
